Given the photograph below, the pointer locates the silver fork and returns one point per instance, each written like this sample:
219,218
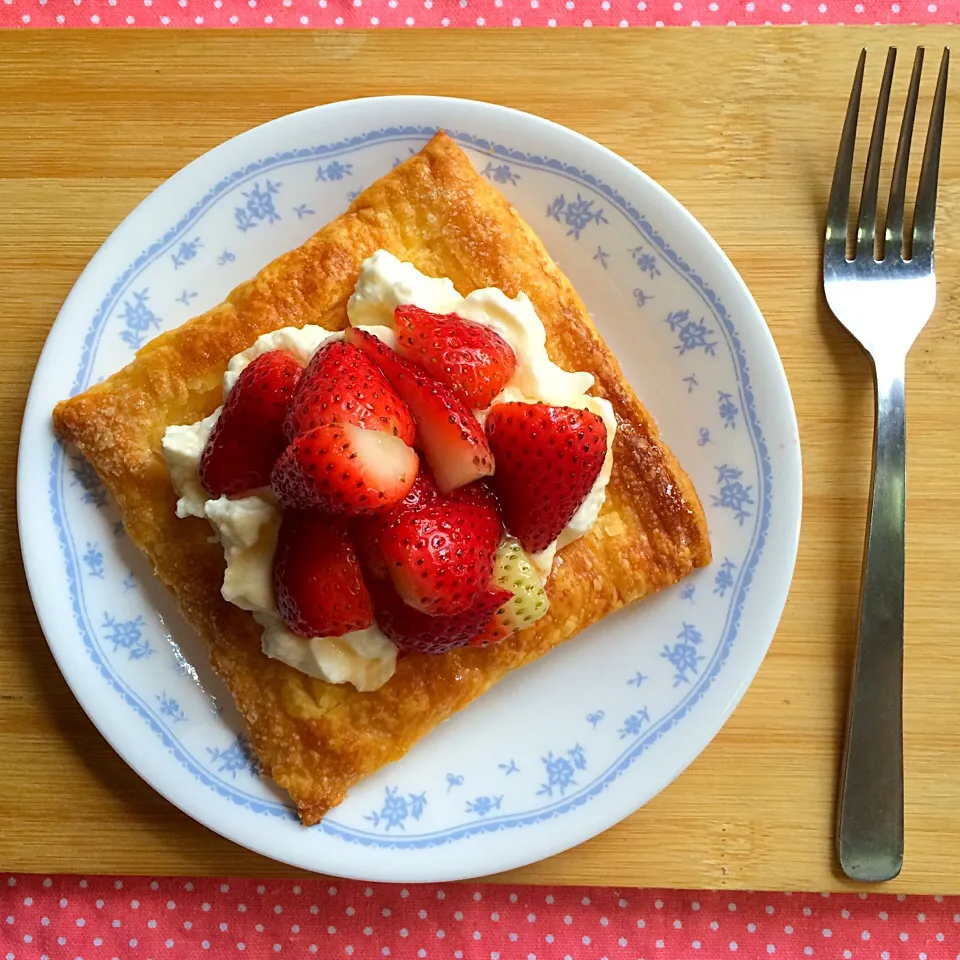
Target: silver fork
883,296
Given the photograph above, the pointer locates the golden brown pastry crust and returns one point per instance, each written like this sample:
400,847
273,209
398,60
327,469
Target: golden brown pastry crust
315,739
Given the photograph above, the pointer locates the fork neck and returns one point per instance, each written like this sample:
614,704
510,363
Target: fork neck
889,371
887,501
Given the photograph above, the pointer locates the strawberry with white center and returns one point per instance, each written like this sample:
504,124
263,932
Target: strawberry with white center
341,384
473,360
447,432
440,555
317,580
344,469
248,436
548,459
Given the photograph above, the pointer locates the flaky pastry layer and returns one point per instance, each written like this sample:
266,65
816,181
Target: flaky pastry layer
316,739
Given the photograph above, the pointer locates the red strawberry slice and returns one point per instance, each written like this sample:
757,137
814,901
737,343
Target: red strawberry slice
248,435
316,577
548,459
366,538
367,529
440,555
423,491
344,469
447,432
478,493
473,360
341,384
416,632
493,631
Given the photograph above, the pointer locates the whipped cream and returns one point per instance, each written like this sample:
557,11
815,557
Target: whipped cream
365,658
386,283
247,526
182,449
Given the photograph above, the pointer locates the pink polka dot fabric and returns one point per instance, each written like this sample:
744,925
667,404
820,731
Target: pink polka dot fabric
465,13
74,917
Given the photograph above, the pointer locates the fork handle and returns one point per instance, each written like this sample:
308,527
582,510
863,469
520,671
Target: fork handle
870,822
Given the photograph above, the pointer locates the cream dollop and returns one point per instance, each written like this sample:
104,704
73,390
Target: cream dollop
365,658
247,528
386,283
182,448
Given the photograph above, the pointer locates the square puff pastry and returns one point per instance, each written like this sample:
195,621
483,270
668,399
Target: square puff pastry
316,739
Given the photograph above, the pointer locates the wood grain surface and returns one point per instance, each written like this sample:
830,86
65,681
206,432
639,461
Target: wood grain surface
742,127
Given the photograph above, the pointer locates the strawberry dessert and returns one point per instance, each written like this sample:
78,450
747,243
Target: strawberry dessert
400,487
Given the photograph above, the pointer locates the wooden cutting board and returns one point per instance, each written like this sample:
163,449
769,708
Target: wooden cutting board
742,127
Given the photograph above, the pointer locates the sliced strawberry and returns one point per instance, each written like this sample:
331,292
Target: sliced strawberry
344,469
479,493
317,580
366,538
440,555
447,432
423,491
248,435
341,384
493,631
367,529
548,459
416,632
473,360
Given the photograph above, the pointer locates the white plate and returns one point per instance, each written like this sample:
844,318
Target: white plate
560,750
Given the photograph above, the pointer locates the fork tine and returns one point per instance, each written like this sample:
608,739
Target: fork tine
839,204
893,241
867,225
923,221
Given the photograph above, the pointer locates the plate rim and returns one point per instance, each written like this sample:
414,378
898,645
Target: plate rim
105,252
